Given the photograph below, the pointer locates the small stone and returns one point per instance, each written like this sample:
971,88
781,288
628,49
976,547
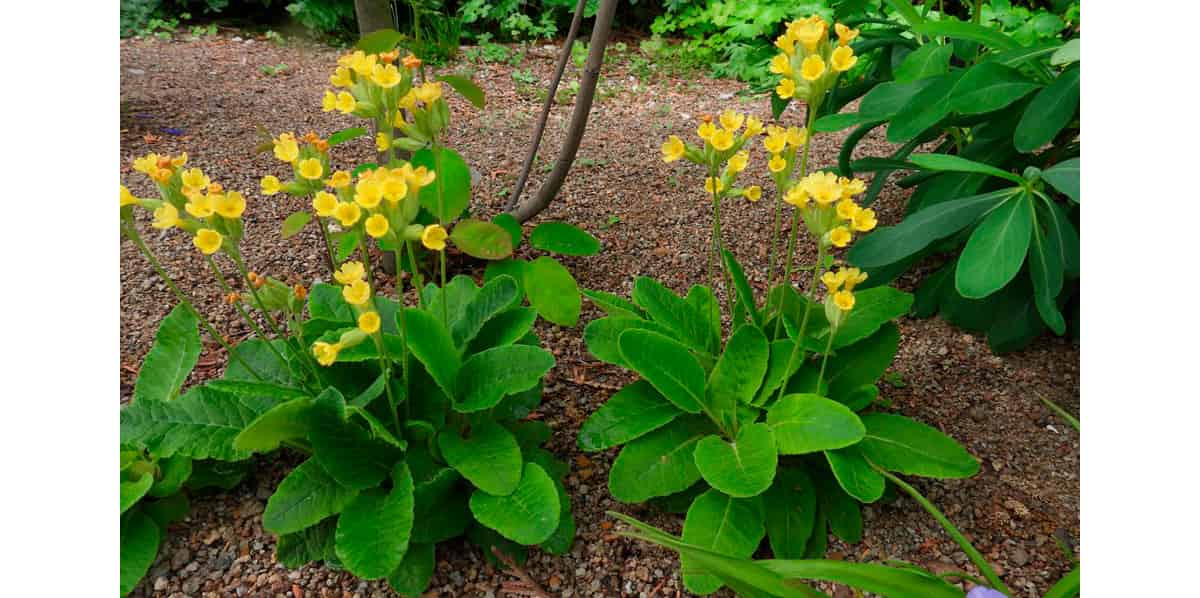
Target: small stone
138,72
160,584
180,558
1020,557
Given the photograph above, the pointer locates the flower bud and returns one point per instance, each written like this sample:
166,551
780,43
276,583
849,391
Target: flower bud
300,292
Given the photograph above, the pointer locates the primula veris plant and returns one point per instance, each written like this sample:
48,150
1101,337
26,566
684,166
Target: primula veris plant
776,430
412,416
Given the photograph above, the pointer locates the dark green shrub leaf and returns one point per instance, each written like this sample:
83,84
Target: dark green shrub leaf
509,223
927,61
952,163
480,239
791,510
140,537
989,86
306,496
899,444
553,291
489,375
743,468
807,423
667,365
378,42
308,545
495,296
172,357
529,515
968,31
489,456
1046,271
432,345
412,577
855,474
667,308
1051,109
631,413
994,253
373,530
564,239
1067,54
725,525
924,109
466,88
1064,176
454,181
660,463
887,99
895,582
295,223
201,424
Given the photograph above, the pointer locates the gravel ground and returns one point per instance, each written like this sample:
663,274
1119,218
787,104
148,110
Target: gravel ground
207,98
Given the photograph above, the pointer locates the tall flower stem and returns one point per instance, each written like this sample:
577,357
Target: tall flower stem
403,325
131,233
437,181
297,351
791,252
323,224
225,288
796,349
719,245
418,280
825,358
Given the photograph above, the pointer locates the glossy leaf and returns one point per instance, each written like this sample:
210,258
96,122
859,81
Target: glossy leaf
660,463
894,243
488,456
529,515
440,507
994,253
634,411
743,468
807,423
454,180
433,346
791,512
140,537
667,365
1046,272
968,31
873,309
552,291
1067,54
487,376
563,239
466,88
952,163
929,60
899,444
1051,109
480,239
925,109
373,530
306,496
989,86
1064,176
171,358
726,525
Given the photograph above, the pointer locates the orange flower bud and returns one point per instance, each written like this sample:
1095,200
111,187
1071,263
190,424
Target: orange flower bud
215,188
321,145
300,292
165,162
706,118
411,62
389,57
232,298
311,136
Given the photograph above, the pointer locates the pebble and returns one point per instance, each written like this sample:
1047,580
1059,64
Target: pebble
1020,557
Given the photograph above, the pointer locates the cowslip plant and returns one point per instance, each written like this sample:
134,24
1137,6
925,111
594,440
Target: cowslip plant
769,432
412,418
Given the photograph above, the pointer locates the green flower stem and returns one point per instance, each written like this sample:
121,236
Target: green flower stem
385,366
993,579
403,328
796,349
779,192
225,288
131,233
718,246
825,358
791,252
323,224
437,165
418,280
445,306
298,352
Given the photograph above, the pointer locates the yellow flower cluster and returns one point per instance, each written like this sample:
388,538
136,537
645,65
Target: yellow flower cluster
724,139
213,215
357,292
833,214
808,63
841,286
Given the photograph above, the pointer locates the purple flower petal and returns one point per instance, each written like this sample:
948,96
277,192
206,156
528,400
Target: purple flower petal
173,131
982,592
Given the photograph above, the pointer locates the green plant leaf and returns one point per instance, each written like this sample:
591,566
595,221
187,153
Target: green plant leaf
347,451
1067,54
306,496
310,544
489,457
495,296
346,135
325,302
660,463
140,537
564,239
373,529
743,468
968,31
894,582
1064,176
172,357
378,42
1051,109
614,305
1062,235
441,510
781,360
529,515
929,60
201,424
432,345
483,240
553,291
413,575
925,109
602,335
894,243
791,512
836,122
899,444
168,510
885,100
843,513
668,309
948,162
457,294
856,365
745,295
505,328
873,309
725,525
132,492
487,376
258,389
281,423
466,88
1046,272
173,473
509,223
454,180
667,365
704,302
512,267
739,372
855,475
295,223
994,253
989,86
807,423
1067,587
634,411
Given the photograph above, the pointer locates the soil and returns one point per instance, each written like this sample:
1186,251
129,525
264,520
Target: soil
208,97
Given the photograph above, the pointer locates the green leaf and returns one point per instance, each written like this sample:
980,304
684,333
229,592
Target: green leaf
201,424
668,309
855,475
325,302
745,295
894,582
511,267
726,525
347,244
739,371
1046,272
488,457
899,444
781,360
743,468
1067,54
172,357
1067,587
310,544
173,472
441,510
894,243
856,365
480,239
378,42
466,88
168,510
487,376
614,305
807,423
432,345
1051,109
306,496
925,109
885,100
347,451
553,291
132,492
140,537
495,296
989,86
843,513
602,335
281,423
791,509
873,308
667,365
258,389
564,239
968,31
457,294
1062,235
704,302
948,162
660,463
217,474
929,60
295,223
346,135
413,575
563,538
529,515
373,530
994,253
454,180
509,223
505,328
634,411
1064,176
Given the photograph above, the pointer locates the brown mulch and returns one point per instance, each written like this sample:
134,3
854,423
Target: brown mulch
207,98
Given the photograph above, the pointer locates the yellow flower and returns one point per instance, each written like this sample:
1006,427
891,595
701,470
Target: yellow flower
753,127
777,163
785,45
270,185
368,193
328,101
796,136
166,216
796,196
338,179
434,237
844,300
840,236
324,203
146,164
194,178
852,187
781,64
833,281
709,182
428,92
407,102
812,68
808,33
127,198
382,141
776,139
345,102
786,88
752,193
350,272
369,322
845,34
673,149
854,277
363,64
199,206
738,161
231,205
395,187
207,240
823,187
341,77
347,213
377,225
842,59
286,148
358,292
864,220
731,120
705,130
722,139
311,169
386,76
847,209
326,353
